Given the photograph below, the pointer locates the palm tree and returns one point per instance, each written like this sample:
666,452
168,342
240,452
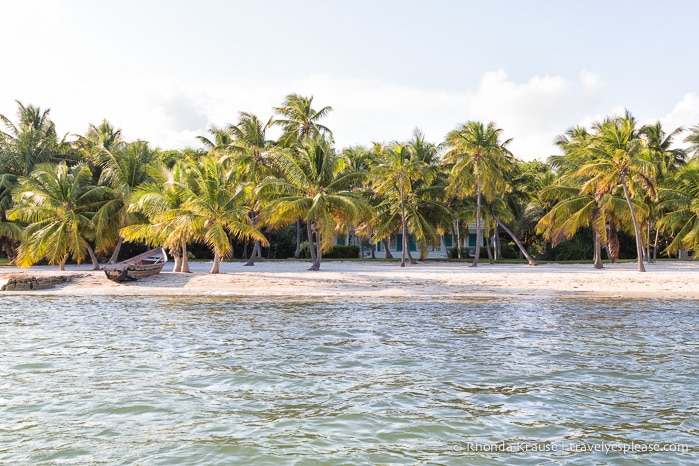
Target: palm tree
98,141
220,142
248,154
617,159
395,176
161,200
693,140
58,204
123,170
218,207
667,161
410,197
478,161
574,209
32,141
314,187
299,120
680,200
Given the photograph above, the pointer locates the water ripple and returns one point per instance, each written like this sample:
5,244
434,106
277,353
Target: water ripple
151,381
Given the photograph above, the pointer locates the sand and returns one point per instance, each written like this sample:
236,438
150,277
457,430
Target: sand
345,279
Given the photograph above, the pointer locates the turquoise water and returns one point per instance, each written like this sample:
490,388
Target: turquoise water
159,381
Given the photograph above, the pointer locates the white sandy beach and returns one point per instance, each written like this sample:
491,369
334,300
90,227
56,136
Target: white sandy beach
338,279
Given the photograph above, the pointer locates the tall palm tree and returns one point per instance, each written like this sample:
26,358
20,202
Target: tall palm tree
58,204
410,198
315,187
574,209
33,140
667,160
218,207
617,160
299,121
123,170
250,161
363,160
478,161
679,198
168,224
395,176
95,145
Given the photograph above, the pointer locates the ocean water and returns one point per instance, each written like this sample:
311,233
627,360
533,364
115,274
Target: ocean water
163,381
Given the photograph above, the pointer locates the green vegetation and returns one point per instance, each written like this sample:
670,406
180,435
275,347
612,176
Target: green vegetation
617,191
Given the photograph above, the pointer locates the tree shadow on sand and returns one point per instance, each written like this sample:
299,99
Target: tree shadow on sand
163,280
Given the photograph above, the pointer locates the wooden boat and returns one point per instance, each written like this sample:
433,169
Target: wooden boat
141,266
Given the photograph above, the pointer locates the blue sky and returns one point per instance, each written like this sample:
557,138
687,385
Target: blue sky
166,71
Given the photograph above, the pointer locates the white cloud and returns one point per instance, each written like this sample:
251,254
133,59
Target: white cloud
591,81
169,113
533,113
685,113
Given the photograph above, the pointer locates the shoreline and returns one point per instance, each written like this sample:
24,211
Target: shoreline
668,280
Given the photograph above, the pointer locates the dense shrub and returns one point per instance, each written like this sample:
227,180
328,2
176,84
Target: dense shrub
465,253
343,252
509,251
577,248
580,248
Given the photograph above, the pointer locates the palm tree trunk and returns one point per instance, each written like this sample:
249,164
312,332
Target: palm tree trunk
648,243
185,260
479,233
597,247
178,260
311,246
62,264
487,249
387,252
596,238
216,265
93,258
458,238
297,253
496,243
655,244
613,241
519,244
404,226
636,229
255,250
117,249
410,256
423,253
319,250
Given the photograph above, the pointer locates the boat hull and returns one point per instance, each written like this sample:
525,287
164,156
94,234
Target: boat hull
142,266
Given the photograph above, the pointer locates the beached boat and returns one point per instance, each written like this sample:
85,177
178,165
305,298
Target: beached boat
141,266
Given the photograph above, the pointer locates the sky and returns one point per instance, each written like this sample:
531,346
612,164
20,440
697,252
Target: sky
168,71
